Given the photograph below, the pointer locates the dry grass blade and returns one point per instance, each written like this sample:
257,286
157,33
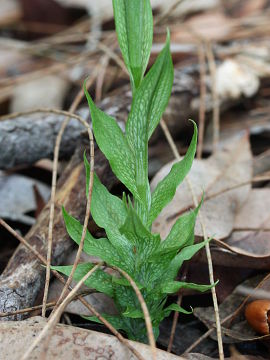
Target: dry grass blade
55,318
207,247
147,317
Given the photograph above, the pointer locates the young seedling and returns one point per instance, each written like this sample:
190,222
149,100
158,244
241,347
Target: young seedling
130,245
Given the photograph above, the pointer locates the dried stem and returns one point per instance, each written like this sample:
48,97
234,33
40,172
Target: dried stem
147,317
56,316
53,192
168,13
202,65
88,205
32,249
82,300
207,247
100,79
176,313
258,178
38,308
213,71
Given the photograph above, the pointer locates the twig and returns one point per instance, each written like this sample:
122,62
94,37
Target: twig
27,310
73,107
53,192
100,79
113,56
229,317
207,197
147,317
168,13
207,247
31,248
176,313
88,206
204,336
202,65
55,318
213,71
38,308
82,300
43,110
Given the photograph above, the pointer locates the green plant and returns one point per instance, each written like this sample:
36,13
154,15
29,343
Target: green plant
130,245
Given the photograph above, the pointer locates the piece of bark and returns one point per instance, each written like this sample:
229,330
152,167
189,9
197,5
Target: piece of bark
23,278
26,139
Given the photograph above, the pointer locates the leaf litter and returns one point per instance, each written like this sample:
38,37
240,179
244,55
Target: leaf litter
229,167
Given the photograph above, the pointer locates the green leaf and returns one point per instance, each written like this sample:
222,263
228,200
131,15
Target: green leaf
99,280
173,286
106,209
95,247
182,230
114,320
144,242
114,145
148,105
109,212
133,313
185,254
134,27
165,190
124,282
181,234
175,307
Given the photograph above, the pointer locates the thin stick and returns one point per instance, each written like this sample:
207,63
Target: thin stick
100,79
53,192
202,66
55,318
147,317
258,178
73,107
27,310
213,71
176,313
207,248
44,110
204,336
88,205
82,300
31,248
38,307
168,13
229,317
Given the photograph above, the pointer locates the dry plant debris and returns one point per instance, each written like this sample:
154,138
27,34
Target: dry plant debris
221,57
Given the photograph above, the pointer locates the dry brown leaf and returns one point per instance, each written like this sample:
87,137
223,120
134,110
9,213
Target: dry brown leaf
10,12
251,235
240,329
68,343
17,197
227,168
